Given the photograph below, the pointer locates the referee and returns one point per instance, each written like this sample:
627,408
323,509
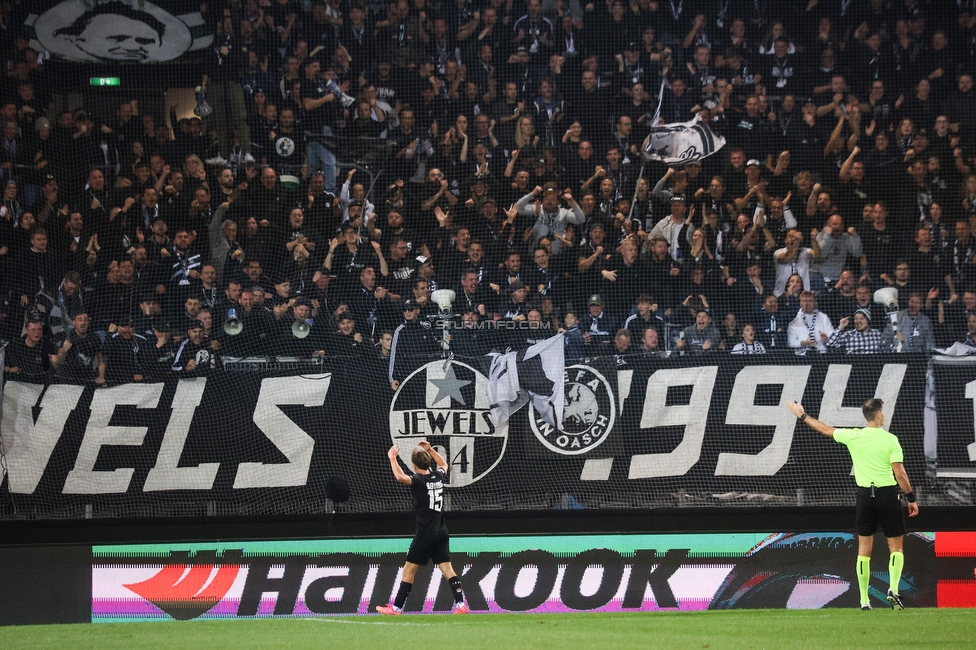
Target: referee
878,472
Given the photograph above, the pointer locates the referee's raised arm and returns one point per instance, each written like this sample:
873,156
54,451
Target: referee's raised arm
797,409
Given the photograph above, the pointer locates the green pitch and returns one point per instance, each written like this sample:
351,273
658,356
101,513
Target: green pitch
737,629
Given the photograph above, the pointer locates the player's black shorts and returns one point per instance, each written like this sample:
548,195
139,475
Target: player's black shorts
430,545
883,508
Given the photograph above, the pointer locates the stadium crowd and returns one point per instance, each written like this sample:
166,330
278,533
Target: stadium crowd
512,170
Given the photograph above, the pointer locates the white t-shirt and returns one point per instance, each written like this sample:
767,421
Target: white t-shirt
799,265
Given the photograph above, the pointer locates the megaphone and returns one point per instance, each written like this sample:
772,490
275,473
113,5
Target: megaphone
300,329
346,99
443,299
233,325
888,296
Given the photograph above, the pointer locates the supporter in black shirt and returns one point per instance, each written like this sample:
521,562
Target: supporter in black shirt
196,355
840,300
904,281
29,358
468,294
320,101
648,315
928,268
880,243
347,341
598,327
622,275
127,354
402,265
79,359
470,340
36,268
750,130
253,339
771,326
512,305
413,343
346,259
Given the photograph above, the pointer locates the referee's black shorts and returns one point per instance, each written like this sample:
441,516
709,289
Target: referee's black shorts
430,545
883,508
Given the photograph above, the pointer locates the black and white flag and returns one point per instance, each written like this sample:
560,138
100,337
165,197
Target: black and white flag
535,373
682,142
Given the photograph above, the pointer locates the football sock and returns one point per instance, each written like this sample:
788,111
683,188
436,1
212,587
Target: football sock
896,562
863,576
455,584
402,594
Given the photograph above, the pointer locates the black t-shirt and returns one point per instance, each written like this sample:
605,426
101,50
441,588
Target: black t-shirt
125,358
881,249
287,149
323,115
82,359
388,90
428,499
33,362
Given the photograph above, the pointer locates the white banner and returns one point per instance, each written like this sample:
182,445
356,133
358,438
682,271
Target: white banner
682,142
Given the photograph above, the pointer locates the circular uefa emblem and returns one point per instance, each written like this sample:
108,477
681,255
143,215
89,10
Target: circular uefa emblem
588,413
446,404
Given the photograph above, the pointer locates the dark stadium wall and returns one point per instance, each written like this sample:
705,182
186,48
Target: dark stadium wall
45,584
536,522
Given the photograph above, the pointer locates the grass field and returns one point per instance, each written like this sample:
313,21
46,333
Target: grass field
834,628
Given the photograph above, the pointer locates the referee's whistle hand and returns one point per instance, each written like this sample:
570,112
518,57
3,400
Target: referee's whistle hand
795,408
912,509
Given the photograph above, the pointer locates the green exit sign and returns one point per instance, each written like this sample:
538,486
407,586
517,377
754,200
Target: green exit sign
105,81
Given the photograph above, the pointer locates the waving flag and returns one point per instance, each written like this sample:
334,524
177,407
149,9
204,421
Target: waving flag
682,142
535,373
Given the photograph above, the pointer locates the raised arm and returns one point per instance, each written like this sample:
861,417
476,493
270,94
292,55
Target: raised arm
524,203
437,458
797,409
812,200
659,192
854,119
384,268
845,169
835,136
398,472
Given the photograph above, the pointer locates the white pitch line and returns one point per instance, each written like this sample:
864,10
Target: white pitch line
373,622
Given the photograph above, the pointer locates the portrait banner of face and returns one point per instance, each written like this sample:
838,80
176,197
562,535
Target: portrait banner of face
119,30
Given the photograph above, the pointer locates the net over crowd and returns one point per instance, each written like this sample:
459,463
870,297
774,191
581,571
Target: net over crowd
505,160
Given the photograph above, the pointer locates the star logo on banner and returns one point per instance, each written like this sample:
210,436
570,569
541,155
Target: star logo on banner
449,386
